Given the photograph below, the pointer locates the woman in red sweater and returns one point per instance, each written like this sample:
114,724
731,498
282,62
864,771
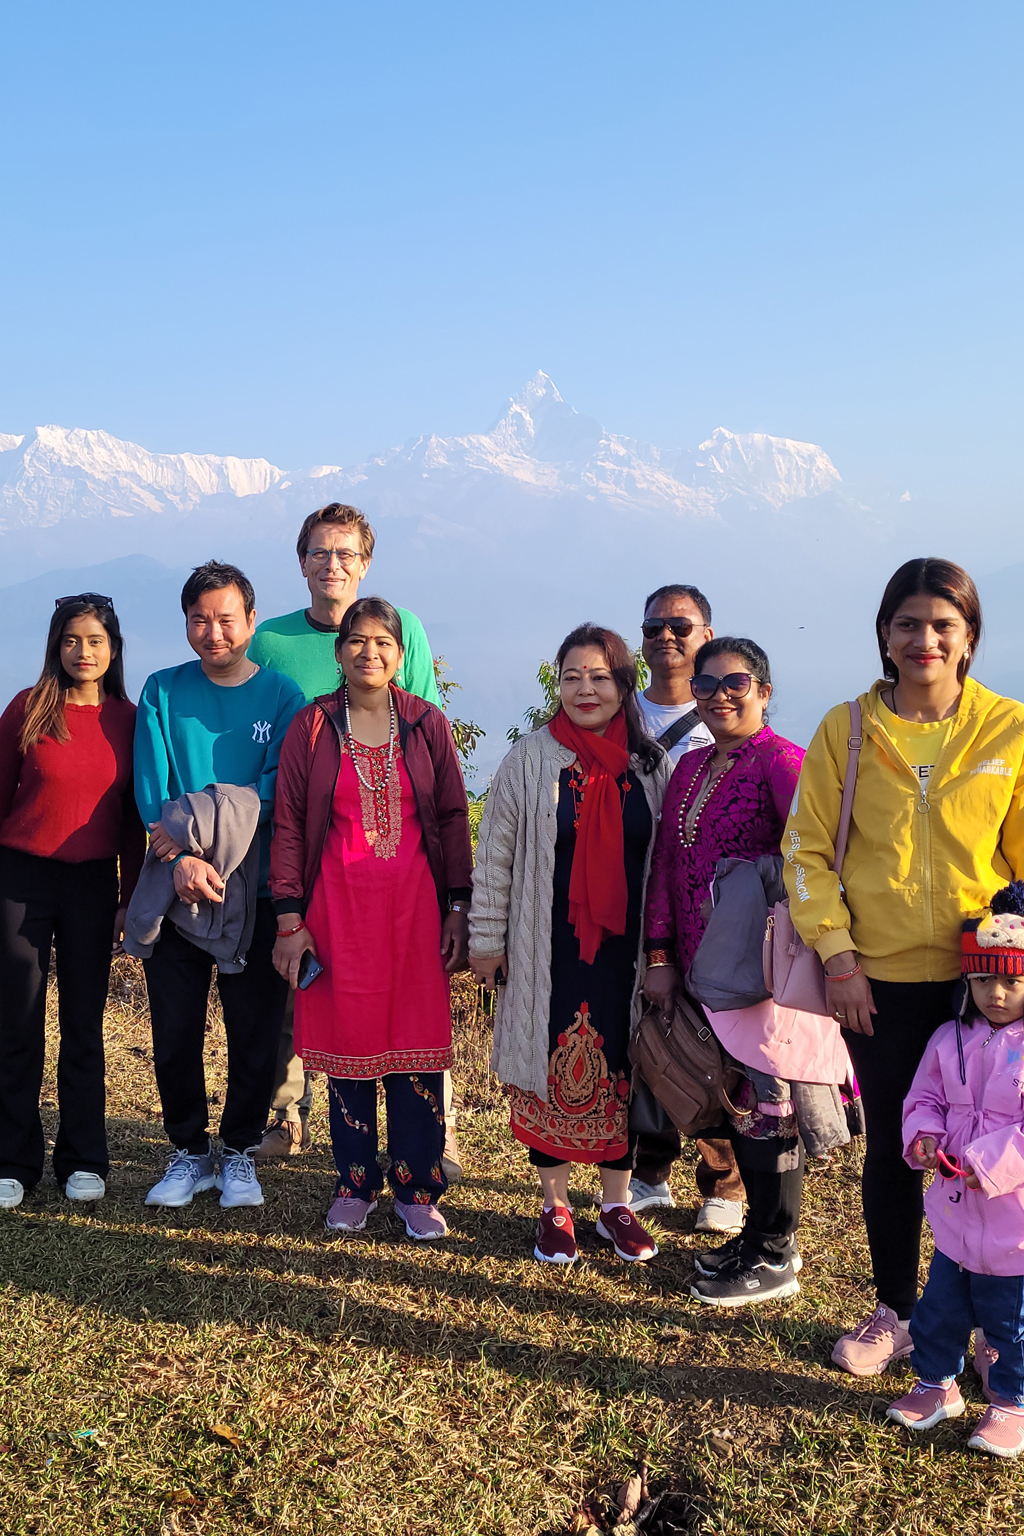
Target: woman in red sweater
67,819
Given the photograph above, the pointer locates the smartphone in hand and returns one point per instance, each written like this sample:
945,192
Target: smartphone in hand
309,969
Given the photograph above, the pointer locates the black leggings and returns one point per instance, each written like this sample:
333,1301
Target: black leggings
909,1013
618,1165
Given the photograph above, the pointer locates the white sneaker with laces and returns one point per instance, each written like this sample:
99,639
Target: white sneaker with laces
12,1193
645,1197
186,1175
717,1215
85,1186
237,1180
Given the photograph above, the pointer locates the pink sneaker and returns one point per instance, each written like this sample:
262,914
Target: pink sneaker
874,1344
348,1214
424,1222
1000,1430
924,1407
630,1240
985,1358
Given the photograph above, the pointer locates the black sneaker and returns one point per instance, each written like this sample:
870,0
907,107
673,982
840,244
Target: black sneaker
712,1259
745,1282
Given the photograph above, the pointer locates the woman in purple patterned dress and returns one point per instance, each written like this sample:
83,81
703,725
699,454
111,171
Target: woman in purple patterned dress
729,801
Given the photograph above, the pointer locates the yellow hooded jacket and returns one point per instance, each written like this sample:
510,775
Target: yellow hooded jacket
920,858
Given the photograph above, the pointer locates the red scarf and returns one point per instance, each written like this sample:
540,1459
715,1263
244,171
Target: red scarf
597,884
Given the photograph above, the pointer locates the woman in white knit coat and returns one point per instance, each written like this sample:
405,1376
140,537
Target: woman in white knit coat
558,889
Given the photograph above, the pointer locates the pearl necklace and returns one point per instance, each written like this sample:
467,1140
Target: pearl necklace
350,742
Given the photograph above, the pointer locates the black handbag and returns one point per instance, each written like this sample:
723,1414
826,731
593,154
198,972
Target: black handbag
647,1117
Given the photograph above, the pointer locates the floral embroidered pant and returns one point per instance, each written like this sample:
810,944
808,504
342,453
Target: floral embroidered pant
415,1135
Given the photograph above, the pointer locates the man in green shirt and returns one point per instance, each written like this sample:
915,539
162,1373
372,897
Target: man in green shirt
335,546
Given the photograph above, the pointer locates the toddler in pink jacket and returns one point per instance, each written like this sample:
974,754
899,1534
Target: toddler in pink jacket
964,1118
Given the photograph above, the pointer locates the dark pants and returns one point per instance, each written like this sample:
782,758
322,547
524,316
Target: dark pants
540,1159
773,1199
717,1174
908,1015
42,901
954,1302
415,1111
178,981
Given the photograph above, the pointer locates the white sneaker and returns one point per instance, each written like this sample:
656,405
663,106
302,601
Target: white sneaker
237,1180
717,1215
643,1197
85,1186
186,1175
12,1193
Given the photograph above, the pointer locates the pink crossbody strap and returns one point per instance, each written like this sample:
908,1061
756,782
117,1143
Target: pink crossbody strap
854,744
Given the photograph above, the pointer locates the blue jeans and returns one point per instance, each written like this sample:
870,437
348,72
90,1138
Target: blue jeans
954,1302
415,1111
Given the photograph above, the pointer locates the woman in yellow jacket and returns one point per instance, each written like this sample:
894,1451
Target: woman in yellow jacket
938,828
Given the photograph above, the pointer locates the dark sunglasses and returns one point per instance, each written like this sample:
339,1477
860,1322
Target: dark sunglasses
949,1165
681,628
95,598
735,684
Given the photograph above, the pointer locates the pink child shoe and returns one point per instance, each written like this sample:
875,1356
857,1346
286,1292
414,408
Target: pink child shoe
874,1344
424,1222
630,1240
924,1406
348,1214
985,1358
1000,1430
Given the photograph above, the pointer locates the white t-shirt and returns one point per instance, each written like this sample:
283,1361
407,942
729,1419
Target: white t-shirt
660,716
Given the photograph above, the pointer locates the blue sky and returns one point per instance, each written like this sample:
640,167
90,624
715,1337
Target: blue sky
312,230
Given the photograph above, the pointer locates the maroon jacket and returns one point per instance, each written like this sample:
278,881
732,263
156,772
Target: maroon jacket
306,778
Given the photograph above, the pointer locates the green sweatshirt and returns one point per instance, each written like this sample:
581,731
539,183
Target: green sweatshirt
304,650
190,732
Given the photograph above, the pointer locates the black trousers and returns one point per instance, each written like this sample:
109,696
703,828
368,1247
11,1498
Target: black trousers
415,1110
178,981
43,901
909,1013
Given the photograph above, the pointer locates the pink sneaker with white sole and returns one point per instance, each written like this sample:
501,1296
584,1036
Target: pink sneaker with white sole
874,1344
925,1406
347,1214
423,1222
1000,1430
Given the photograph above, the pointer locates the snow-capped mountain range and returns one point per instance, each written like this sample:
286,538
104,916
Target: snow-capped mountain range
540,444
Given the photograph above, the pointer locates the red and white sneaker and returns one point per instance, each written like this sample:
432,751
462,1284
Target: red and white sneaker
924,1406
556,1237
1000,1430
631,1241
985,1358
874,1344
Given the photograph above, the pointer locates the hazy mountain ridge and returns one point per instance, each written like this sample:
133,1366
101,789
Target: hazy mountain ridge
539,442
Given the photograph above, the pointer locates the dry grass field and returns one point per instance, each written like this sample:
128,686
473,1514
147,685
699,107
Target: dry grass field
216,1372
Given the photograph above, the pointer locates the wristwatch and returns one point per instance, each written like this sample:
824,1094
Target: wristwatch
457,906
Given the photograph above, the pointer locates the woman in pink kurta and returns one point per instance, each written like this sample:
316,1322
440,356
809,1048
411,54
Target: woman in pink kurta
370,869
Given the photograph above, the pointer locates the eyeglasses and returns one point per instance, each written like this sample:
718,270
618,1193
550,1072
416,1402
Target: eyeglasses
735,684
346,557
949,1166
96,598
681,628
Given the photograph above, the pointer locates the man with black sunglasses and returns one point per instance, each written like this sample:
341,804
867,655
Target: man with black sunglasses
676,623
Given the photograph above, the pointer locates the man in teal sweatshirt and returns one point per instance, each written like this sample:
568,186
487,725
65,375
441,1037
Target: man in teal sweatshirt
335,547
221,720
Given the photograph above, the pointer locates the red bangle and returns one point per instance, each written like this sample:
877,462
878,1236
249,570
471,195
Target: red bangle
658,957
844,975
290,933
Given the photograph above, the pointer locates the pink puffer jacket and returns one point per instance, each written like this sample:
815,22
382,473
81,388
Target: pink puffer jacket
981,1121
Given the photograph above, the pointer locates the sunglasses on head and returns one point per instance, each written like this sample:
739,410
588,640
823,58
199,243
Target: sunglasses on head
681,628
735,684
95,598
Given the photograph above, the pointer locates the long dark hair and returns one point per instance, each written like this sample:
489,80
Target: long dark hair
622,666
936,578
44,707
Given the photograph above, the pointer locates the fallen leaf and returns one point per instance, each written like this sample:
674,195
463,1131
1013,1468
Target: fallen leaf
181,1496
628,1498
225,1433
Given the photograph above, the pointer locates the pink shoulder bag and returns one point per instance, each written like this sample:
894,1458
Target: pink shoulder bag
793,973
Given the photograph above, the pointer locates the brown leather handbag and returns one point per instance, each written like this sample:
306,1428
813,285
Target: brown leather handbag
681,1062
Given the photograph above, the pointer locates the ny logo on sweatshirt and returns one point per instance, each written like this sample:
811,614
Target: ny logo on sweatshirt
261,731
